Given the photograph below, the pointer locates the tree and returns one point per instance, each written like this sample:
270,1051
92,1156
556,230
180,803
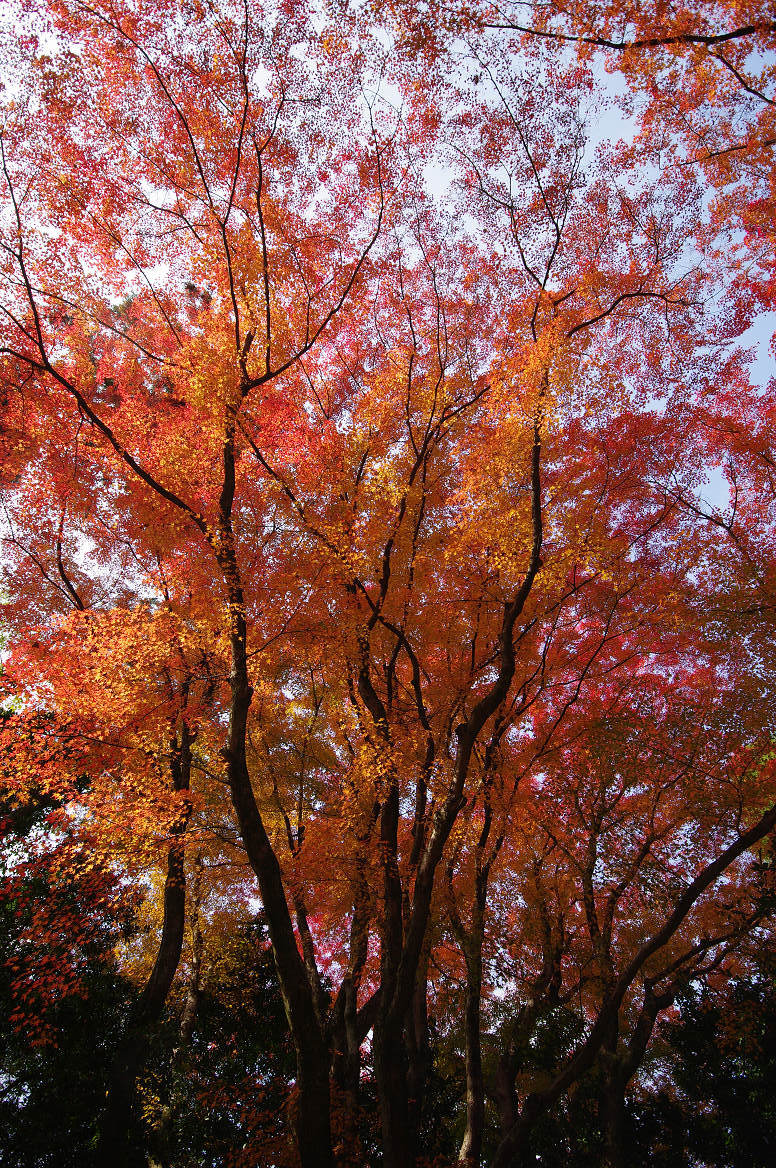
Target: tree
60,915
361,558
721,1044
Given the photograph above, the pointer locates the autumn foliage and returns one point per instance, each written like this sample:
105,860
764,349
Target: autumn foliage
388,539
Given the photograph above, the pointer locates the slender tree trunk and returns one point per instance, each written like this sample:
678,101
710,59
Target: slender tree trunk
401,950
471,1146
162,1152
194,988
313,1114
391,1063
419,1056
347,1033
313,1119
121,1138
348,1072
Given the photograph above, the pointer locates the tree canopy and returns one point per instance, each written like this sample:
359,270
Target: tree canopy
388,541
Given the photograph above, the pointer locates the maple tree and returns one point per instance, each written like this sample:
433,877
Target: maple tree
357,429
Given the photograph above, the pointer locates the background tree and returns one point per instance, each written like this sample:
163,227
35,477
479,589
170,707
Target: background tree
362,562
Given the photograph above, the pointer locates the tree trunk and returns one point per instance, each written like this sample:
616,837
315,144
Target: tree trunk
313,1116
121,1137
391,1074
419,1057
346,1031
512,1149
612,1112
348,1072
471,1146
194,988
504,1094
313,1120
